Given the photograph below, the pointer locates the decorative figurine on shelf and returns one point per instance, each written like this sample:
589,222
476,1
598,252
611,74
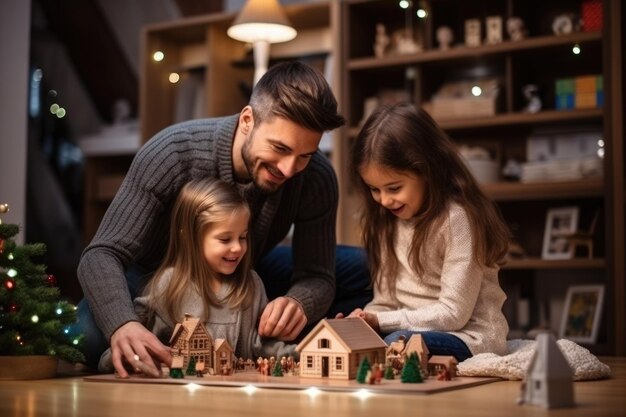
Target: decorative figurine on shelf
381,42
516,28
565,24
445,36
472,32
494,30
402,42
533,102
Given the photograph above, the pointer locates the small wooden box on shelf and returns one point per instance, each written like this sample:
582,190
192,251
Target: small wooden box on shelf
539,54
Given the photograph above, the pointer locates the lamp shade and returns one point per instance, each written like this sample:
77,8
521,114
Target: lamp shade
262,20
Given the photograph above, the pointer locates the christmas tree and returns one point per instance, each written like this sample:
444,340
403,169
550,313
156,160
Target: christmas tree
361,373
411,372
33,318
278,369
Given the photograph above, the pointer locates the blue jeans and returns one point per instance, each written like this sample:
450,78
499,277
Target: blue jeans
275,269
438,343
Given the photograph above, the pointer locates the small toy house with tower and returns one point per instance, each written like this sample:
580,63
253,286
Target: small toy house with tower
190,339
336,347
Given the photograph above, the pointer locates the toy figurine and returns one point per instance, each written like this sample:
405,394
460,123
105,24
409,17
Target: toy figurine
533,102
516,28
381,42
444,37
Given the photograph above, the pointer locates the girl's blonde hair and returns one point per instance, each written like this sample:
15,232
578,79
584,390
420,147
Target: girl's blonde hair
199,206
403,138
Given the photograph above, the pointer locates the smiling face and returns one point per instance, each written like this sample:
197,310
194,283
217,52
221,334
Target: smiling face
401,192
226,242
273,151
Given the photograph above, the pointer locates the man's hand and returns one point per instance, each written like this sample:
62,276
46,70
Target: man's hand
134,344
282,318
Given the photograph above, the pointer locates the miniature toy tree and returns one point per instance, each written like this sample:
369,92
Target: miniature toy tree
33,318
191,366
364,368
389,372
411,372
278,369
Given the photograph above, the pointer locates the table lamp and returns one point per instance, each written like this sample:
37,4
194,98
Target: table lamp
261,22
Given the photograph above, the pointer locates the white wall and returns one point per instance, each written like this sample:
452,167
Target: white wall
15,35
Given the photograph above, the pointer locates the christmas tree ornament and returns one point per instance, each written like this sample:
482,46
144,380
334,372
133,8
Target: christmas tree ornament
51,279
9,283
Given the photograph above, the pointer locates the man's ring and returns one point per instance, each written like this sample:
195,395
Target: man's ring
136,357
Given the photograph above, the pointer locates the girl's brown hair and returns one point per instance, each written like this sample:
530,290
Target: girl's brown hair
199,206
403,138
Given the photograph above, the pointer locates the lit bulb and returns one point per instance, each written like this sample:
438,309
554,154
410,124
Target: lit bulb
59,311
404,4
12,273
34,318
158,56
476,91
576,49
421,13
174,77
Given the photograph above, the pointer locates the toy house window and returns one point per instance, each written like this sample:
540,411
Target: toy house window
339,363
537,385
309,362
222,354
323,344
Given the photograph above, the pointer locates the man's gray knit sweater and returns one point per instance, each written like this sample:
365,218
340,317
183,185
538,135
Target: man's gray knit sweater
135,228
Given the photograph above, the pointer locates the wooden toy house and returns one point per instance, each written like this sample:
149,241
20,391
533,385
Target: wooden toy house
191,339
549,381
438,364
416,344
223,357
335,347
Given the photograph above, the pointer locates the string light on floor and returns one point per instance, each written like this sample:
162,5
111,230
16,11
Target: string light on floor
249,389
312,392
362,394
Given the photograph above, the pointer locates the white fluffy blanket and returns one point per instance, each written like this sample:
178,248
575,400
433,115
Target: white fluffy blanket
584,364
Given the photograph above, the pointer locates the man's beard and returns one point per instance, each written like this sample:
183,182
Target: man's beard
249,163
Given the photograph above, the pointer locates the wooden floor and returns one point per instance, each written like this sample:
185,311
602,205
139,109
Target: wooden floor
75,397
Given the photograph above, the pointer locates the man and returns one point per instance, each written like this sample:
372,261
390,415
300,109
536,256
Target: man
270,151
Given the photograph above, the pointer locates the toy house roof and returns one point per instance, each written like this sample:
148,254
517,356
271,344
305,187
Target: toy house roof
189,325
548,361
443,359
416,344
222,343
353,332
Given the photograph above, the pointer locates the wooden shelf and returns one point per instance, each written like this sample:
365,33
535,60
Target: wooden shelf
463,52
537,263
516,119
540,59
513,191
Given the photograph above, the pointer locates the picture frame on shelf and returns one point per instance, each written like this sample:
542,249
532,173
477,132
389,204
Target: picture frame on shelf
581,313
561,223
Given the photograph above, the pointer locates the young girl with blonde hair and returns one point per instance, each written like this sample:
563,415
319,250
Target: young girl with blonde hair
206,273
434,240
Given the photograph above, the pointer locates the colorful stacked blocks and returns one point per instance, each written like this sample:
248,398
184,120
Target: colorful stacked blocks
584,92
